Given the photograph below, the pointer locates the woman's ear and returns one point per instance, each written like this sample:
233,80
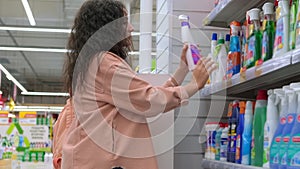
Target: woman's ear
57,163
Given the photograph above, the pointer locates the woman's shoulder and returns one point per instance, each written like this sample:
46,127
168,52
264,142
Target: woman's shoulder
110,59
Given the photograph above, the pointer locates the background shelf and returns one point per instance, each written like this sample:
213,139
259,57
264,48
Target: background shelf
212,164
230,10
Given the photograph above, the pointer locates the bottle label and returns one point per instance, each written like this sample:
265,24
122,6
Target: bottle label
223,148
251,51
195,53
278,44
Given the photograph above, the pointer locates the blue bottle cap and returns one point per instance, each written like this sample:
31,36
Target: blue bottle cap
214,36
227,37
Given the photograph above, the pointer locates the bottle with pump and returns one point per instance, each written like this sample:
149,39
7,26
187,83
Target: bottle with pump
282,28
239,132
270,125
247,134
269,32
234,55
293,150
293,16
193,53
259,120
220,55
255,40
286,133
276,141
233,123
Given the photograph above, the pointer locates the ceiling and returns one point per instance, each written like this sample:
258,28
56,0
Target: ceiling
41,71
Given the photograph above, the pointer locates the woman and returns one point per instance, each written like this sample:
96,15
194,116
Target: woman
110,102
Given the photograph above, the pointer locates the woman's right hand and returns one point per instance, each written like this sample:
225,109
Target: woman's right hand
201,73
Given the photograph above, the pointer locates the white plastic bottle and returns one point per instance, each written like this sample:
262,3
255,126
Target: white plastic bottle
247,134
270,125
220,55
281,44
193,53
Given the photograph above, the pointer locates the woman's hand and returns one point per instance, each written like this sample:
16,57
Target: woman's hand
183,65
201,73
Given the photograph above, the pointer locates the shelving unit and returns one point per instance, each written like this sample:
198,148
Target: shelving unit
212,164
230,10
271,74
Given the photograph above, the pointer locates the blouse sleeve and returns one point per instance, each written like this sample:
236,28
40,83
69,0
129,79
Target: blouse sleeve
130,93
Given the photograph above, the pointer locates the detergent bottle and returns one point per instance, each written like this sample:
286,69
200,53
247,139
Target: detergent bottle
247,134
234,55
293,16
239,132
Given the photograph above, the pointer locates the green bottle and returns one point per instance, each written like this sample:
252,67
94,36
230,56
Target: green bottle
254,40
293,17
269,32
259,119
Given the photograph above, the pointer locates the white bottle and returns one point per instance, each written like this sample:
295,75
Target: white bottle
247,134
271,123
220,55
193,54
224,144
281,43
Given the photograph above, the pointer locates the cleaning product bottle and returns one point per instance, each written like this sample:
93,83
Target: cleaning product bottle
221,61
269,32
218,141
270,126
193,54
229,115
234,55
255,40
224,143
276,141
244,42
286,133
293,16
247,134
282,28
258,128
214,42
233,122
293,160
298,27
239,132
227,41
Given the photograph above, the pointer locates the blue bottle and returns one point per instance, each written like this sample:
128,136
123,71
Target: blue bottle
239,132
233,123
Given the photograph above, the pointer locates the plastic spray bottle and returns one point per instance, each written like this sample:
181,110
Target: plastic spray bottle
234,55
220,55
255,40
258,128
233,122
286,133
269,32
282,28
247,134
193,54
293,152
276,141
270,126
293,16
239,132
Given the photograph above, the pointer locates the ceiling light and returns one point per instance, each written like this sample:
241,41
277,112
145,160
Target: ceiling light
28,12
35,29
45,94
29,49
10,77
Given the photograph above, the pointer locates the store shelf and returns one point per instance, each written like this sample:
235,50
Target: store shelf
274,73
230,10
212,164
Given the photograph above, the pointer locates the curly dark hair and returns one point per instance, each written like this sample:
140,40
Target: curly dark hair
100,25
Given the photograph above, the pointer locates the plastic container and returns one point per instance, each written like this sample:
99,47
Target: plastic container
218,141
214,42
220,55
293,16
259,120
211,128
275,146
293,160
282,28
193,53
254,41
286,133
247,134
240,129
233,123
224,144
270,126
234,55
227,41
269,32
